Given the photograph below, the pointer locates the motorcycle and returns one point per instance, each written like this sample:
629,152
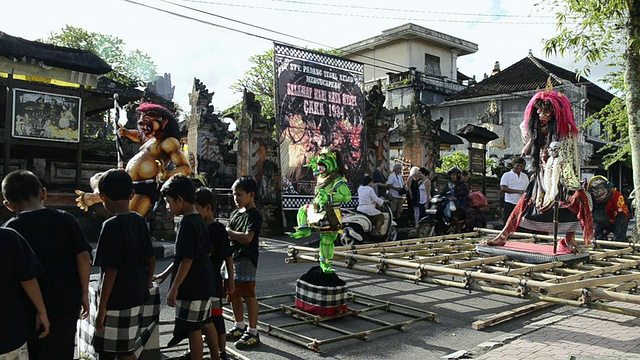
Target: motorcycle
357,227
436,222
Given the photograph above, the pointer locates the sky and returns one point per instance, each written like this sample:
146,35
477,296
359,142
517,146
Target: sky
209,39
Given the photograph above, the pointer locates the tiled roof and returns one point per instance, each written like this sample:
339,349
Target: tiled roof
527,74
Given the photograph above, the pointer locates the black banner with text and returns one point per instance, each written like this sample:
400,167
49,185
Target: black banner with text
320,103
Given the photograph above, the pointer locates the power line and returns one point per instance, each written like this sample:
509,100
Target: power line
372,16
409,10
276,32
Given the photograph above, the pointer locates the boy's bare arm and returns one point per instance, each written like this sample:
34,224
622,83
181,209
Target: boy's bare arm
32,289
229,264
181,274
151,263
84,269
108,279
242,238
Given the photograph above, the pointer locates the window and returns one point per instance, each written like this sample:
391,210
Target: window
432,65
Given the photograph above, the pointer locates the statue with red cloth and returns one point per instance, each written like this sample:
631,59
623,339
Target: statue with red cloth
555,200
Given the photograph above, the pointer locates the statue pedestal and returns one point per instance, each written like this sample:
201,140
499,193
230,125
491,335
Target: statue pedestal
321,294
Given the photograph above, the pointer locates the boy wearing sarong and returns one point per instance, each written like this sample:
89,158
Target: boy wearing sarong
127,263
59,244
192,279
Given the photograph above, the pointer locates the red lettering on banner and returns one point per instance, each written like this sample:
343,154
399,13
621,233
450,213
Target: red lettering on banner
299,90
349,100
334,97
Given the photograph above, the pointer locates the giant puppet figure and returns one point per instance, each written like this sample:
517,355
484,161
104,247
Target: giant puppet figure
158,132
555,200
324,212
610,212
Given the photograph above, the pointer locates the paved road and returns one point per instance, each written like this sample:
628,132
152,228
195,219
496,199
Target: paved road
456,310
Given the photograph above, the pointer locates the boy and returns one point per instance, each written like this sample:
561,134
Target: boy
59,244
192,279
220,253
127,262
18,269
243,230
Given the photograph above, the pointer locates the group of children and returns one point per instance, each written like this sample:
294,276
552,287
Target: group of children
46,261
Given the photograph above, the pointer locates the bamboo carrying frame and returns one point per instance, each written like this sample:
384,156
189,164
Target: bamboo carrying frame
608,274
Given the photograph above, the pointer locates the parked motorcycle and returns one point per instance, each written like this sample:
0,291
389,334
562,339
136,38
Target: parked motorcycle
358,227
435,222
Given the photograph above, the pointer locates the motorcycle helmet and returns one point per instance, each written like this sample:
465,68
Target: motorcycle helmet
454,170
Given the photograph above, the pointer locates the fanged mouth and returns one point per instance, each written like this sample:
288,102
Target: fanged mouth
145,128
322,169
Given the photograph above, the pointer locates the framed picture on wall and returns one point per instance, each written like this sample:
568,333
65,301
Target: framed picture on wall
46,116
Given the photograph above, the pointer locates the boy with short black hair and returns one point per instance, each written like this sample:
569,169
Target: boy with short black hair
127,263
18,270
243,230
220,254
59,244
192,279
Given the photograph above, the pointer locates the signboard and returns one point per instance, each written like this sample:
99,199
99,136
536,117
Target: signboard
320,103
45,116
476,160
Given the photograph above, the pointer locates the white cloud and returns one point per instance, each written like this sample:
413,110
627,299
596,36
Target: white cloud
188,49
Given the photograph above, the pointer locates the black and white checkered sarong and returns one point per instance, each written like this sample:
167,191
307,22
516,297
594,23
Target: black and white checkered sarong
193,311
121,330
322,296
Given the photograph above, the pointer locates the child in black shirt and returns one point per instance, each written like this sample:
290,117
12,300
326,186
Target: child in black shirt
59,244
220,253
127,263
18,270
243,230
192,279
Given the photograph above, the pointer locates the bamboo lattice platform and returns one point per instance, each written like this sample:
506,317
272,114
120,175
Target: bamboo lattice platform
610,273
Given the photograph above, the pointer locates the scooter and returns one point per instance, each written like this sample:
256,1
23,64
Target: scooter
357,227
435,222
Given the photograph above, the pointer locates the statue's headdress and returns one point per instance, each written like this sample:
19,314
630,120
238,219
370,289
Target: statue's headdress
559,104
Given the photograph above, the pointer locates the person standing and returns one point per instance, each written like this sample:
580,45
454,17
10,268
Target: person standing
396,191
379,181
413,194
425,190
127,262
58,242
513,184
192,279
244,230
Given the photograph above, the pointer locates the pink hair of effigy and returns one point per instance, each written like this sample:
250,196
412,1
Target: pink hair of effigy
561,106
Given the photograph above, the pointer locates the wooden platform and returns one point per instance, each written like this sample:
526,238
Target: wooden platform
452,260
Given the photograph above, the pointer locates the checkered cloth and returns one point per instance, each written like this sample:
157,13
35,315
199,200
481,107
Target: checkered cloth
194,311
321,300
146,337
121,331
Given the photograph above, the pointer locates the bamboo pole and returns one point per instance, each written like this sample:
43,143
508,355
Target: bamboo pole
560,288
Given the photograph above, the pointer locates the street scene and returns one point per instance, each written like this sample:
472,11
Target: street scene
190,180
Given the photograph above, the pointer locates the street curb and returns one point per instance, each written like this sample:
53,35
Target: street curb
505,339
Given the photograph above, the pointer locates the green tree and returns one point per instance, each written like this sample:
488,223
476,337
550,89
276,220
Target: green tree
133,68
457,159
595,30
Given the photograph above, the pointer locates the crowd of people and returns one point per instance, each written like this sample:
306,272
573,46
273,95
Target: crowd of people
46,262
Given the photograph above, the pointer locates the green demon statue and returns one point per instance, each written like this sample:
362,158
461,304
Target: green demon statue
323,213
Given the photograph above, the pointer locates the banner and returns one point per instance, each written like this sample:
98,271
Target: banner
320,103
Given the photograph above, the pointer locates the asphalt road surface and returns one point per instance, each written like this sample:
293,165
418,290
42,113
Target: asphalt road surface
456,310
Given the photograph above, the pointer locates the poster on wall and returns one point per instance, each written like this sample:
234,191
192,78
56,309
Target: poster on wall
45,116
320,103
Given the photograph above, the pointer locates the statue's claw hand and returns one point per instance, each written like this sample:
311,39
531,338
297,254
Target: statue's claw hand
162,173
84,200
